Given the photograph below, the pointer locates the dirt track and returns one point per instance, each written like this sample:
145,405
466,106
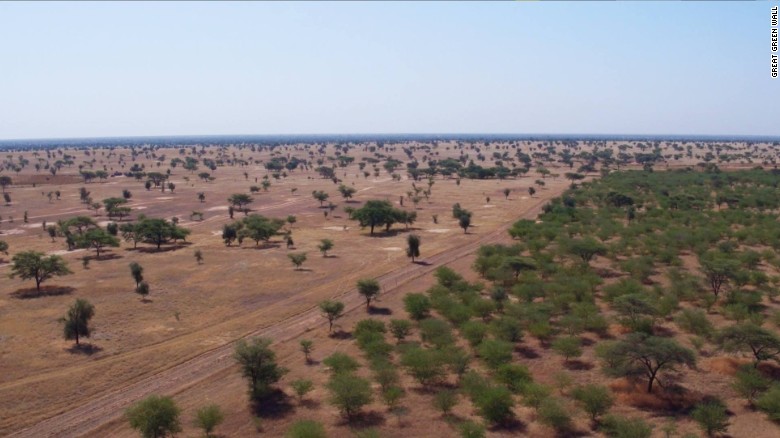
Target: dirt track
110,406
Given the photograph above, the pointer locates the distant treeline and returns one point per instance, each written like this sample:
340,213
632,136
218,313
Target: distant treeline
280,140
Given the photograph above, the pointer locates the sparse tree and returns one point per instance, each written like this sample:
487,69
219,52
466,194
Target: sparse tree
208,418
76,322
400,328
302,387
711,416
307,346
595,400
297,259
137,272
325,246
258,364
142,289
155,417
369,288
198,256
349,393
331,310
36,265
413,246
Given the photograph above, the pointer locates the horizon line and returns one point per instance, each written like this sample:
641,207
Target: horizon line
407,136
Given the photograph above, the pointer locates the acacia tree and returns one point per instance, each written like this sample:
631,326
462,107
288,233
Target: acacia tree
325,246
240,201
413,246
76,322
97,238
640,355
762,343
36,265
719,268
297,259
376,214
585,249
369,288
331,310
258,364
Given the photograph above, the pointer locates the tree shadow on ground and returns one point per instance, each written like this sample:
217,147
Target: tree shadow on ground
422,263
309,403
513,425
85,349
379,311
392,233
103,256
46,291
341,335
577,365
275,405
527,352
365,420
154,249
268,245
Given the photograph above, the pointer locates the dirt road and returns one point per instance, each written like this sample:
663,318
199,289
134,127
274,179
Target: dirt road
110,405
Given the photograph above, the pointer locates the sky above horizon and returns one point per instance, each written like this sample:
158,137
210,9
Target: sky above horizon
137,69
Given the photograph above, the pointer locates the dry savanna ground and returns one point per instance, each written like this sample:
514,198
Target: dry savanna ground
239,290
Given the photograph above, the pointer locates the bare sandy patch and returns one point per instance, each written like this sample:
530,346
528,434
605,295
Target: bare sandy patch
65,251
336,228
12,231
392,248
165,198
439,230
218,208
488,206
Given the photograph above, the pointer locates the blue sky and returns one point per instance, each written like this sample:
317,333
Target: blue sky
124,69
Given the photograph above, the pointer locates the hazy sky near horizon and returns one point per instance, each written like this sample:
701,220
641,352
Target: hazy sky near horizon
134,69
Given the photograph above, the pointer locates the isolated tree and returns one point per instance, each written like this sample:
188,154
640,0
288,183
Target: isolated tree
240,201
464,221
137,272
5,181
639,355
201,197
155,417
506,193
413,246
595,400
208,418
76,322
325,246
331,310
291,220
302,387
307,346
229,233
3,247
762,343
297,259
258,364
320,196
445,400
349,393
36,265
198,256
142,289
531,191
159,231
369,288
346,191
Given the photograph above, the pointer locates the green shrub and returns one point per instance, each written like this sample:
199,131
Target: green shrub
495,352
306,429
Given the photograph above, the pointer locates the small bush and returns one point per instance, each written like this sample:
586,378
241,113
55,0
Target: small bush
306,429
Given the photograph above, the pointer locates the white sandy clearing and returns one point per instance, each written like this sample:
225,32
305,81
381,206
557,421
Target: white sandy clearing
103,223
336,228
439,230
65,251
392,248
141,207
12,231
367,188
524,197
538,222
488,206
165,198
36,225
220,208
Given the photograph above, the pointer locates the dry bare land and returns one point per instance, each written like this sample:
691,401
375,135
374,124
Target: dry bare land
179,341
